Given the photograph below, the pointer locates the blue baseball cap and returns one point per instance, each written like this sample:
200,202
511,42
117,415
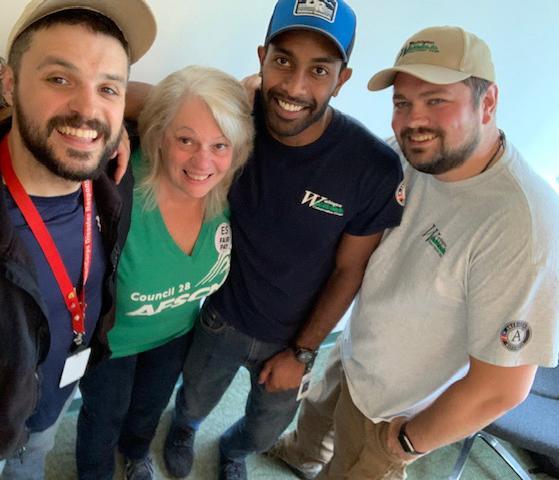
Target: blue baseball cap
333,18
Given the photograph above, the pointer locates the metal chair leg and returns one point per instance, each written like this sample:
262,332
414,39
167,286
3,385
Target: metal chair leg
505,455
462,457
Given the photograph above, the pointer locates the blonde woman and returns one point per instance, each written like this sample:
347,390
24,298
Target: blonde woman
196,133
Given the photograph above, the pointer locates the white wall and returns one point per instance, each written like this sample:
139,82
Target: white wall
523,36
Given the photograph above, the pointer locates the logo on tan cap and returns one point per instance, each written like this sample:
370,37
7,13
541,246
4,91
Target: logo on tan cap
415,47
440,55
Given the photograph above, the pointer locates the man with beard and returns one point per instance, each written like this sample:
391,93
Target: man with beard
468,305
306,213
62,219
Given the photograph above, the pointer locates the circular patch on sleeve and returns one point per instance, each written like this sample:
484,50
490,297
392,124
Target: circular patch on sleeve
515,335
223,239
401,194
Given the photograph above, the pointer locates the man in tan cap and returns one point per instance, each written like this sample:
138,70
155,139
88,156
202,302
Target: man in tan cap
62,221
468,306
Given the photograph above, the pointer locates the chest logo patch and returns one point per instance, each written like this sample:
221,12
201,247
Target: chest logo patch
433,237
401,194
325,9
322,204
515,335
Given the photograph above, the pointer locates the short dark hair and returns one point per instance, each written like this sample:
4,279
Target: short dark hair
94,21
478,87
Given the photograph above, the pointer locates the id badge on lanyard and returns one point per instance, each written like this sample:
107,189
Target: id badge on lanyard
74,300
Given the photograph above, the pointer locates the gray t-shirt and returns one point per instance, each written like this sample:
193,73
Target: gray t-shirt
473,270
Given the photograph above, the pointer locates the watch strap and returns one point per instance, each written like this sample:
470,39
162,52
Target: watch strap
405,441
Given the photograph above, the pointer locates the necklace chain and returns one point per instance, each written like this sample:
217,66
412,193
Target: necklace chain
501,145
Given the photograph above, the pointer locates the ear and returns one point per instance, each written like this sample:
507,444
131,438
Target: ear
345,75
8,83
489,104
262,54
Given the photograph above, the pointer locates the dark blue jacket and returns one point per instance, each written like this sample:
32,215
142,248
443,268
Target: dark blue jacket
24,332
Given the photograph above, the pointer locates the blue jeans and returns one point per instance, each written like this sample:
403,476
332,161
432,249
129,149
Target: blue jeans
217,352
123,399
31,464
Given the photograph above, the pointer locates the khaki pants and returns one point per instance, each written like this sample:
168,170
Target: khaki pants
331,432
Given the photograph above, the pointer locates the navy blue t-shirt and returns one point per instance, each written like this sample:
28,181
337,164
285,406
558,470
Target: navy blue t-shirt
289,209
63,216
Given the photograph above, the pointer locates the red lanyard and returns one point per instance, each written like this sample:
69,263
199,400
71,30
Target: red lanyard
74,303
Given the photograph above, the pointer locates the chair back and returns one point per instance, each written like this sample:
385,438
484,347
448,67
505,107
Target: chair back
546,383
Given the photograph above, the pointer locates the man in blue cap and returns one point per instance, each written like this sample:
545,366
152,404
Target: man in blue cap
307,212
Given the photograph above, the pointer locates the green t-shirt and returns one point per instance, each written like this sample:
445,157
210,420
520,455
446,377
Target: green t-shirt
159,287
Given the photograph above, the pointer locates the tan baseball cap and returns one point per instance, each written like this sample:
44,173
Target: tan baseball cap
440,55
134,18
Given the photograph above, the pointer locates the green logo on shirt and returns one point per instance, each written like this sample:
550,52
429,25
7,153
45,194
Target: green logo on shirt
157,305
322,204
434,237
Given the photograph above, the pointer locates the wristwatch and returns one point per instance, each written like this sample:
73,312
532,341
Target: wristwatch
305,356
405,441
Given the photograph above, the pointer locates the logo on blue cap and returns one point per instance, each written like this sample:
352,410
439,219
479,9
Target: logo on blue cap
325,9
332,18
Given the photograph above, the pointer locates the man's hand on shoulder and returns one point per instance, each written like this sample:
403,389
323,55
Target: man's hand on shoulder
136,95
252,83
121,156
282,372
